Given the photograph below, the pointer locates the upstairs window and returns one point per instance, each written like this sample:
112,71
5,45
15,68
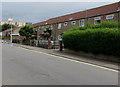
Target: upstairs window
73,22
59,26
42,26
39,27
82,22
65,24
97,20
111,16
51,26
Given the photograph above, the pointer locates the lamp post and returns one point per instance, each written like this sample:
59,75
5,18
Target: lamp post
10,21
86,17
118,10
118,15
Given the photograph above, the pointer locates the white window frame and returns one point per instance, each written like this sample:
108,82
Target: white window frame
40,27
82,22
73,22
96,19
59,37
59,26
51,26
109,17
65,23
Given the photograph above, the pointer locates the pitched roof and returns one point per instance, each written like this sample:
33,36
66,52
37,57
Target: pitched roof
83,14
38,24
8,30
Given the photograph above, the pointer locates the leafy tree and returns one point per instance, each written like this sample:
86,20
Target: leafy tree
47,32
7,26
26,31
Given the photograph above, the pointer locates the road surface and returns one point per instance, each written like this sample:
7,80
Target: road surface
27,67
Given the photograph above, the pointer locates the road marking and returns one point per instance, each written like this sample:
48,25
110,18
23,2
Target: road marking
72,60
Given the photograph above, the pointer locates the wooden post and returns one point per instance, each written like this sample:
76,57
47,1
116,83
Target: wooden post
60,45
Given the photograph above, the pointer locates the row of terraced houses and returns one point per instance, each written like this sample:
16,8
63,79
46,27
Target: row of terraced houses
60,24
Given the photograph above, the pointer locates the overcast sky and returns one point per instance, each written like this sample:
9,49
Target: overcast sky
39,11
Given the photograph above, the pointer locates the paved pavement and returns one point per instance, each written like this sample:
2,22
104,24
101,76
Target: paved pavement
30,67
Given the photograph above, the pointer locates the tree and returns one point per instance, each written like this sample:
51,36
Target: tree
7,26
26,31
47,32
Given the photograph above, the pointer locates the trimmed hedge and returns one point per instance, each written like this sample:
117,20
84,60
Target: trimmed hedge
105,24
102,25
15,41
97,41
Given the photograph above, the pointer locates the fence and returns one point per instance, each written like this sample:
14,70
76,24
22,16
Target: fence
45,44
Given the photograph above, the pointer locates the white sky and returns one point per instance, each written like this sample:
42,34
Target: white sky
60,0
40,10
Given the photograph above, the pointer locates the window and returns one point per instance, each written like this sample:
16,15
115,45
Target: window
35,29
109,16
51,26
97,20
73,22
59,37
65,24
42,26
39,27
59,26
82,22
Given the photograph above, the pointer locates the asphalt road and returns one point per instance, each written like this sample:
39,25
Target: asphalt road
26,67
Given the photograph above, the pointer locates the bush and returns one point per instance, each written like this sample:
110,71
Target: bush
103,25
77,28
15,41
97,41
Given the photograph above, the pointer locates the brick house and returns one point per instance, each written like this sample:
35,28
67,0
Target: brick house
60,24
15,34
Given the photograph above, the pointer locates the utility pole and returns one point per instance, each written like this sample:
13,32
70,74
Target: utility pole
86,17
11,35
118,15
10,21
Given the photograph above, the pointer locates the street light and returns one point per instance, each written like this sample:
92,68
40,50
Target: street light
10,21
86,17
118,15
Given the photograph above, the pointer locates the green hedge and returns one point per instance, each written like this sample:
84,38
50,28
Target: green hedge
105,24
97,41
15,41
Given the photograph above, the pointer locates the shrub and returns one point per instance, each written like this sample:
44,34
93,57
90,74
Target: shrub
15,41
105,24
26,31
102,25
97,41
77,29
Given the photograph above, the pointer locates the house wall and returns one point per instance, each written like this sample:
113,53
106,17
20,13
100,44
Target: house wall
56,32
103,18
64,28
